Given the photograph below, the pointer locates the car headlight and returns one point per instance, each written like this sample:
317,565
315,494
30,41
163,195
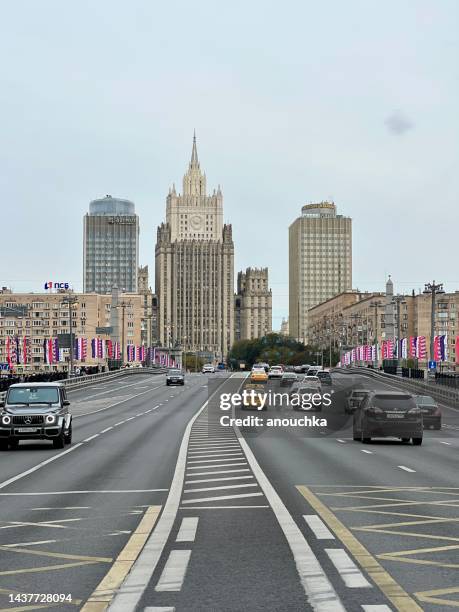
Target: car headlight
6,419
50,419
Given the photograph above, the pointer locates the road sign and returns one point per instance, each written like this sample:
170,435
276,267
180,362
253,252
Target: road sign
104,330
432,365
4,366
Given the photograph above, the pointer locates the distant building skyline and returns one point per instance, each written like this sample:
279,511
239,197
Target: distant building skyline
110,246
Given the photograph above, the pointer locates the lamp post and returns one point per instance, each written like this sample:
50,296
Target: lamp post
375,305
397,300
123,305
70,300
433,289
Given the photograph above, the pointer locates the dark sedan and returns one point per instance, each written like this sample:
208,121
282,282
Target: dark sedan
288,378
175,377
430,410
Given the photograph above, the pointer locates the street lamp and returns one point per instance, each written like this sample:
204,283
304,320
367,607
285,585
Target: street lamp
375,305
123,305
433,289
70,300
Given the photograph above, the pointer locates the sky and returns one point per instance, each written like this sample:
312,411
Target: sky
292,102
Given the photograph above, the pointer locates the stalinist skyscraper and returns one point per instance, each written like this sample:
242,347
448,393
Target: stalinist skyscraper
194,269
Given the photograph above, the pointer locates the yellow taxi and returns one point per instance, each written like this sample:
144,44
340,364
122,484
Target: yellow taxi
258,374
254,400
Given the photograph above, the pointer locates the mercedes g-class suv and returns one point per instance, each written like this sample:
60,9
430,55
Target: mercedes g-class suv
35,411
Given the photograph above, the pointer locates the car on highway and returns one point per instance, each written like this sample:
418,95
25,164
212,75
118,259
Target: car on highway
288,378
35,411
275,372
353,399
253,401
208,368
309,381
313,371
388,414
258,374
175,377
325,377
431,411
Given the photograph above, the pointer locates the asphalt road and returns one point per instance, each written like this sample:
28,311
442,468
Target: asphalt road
157,506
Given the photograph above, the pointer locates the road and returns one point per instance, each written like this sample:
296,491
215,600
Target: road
156,506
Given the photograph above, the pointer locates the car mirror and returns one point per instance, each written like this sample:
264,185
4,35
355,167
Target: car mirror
66,403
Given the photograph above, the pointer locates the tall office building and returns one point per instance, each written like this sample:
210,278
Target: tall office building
320,261
253,304
194,268
110,246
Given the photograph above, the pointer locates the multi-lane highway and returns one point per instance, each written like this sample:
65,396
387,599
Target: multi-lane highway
157,506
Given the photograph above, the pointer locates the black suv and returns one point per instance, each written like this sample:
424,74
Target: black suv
35,411
383,414
175,377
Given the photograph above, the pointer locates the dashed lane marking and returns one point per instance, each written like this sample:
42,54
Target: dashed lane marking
376,608
318,527
400,599
347,569
406,469
206,499
236,486
187,531
367,452
246,507
217,479
174,571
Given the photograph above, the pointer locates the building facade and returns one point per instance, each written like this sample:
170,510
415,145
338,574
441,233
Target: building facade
44,316
110,246
253,304
320,262
194,268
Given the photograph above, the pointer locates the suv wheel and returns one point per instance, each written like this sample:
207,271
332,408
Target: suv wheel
59,442
14,444
417,441
364,439
68,435
3,445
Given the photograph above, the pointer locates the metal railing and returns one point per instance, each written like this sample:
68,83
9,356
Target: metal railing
415,386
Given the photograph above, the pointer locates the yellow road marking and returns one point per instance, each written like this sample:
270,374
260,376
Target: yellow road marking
430,597
388,586
56,555
400,503
105,591
408,534
388,512
45,568
428,521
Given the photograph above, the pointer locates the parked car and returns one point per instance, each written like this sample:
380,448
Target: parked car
175,377
353,399
288,378
325,377
430,410
388,414
35,411
275,372
208,368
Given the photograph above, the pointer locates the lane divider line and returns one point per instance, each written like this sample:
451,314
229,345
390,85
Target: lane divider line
347,569
187,531
406,469
225,487
317,526
400,599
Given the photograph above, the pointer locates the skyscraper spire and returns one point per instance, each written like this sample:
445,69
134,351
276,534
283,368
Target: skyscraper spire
194,152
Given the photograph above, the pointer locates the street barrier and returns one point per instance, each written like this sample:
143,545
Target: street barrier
417,387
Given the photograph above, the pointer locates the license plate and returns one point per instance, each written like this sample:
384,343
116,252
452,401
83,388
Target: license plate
27,429
425,411
395,416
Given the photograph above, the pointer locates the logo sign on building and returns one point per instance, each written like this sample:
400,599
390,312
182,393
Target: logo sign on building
122,220
53,285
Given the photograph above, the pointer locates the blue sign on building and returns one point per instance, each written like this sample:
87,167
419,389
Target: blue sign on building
432,365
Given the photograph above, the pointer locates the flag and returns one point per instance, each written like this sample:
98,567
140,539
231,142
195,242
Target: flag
457,350
413,346
421,347
437,348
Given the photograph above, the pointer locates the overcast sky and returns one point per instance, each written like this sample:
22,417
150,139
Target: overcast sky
292,102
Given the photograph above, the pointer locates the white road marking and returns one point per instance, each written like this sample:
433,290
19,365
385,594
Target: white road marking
448,443
159,609
134,585
347,569
376,608
367,452
174,571
218,472
199,455
220,507
29,543
407,469
187,531
341,441
105,430
80,492
217,479
91,438
318,527
204,499
236,486
216,460
119,423
210,467
65,508
129,419
319,591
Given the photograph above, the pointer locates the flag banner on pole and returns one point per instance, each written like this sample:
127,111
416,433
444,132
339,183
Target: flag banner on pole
405,348
437,348
457,350
413,346
93,348
443,342
421,347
